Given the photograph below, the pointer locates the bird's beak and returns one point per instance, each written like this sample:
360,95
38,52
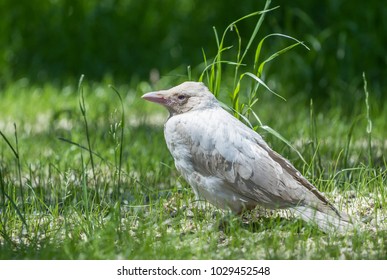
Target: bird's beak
157,97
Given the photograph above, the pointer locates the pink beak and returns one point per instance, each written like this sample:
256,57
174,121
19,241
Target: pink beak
157,97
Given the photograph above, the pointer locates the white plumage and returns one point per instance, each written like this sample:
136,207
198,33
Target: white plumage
230,165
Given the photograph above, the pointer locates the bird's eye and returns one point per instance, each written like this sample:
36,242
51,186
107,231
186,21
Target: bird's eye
181,97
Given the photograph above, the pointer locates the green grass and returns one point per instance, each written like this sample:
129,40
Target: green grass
58,207
85,172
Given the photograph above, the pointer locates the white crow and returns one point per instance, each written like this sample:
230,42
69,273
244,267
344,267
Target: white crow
230,165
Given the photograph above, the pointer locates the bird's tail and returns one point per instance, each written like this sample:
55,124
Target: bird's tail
326,218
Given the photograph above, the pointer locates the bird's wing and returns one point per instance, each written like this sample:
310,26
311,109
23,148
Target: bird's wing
224,147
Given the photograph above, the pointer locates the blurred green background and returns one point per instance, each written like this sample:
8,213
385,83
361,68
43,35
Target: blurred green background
57,41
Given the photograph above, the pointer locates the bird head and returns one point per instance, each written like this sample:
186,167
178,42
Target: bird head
183,98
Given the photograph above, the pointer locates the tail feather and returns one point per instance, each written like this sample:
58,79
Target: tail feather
326,219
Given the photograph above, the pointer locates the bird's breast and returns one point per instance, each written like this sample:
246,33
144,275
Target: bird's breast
178,138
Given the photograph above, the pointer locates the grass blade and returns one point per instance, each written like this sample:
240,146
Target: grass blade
9,145
121,137
82,106
369,121
283,139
